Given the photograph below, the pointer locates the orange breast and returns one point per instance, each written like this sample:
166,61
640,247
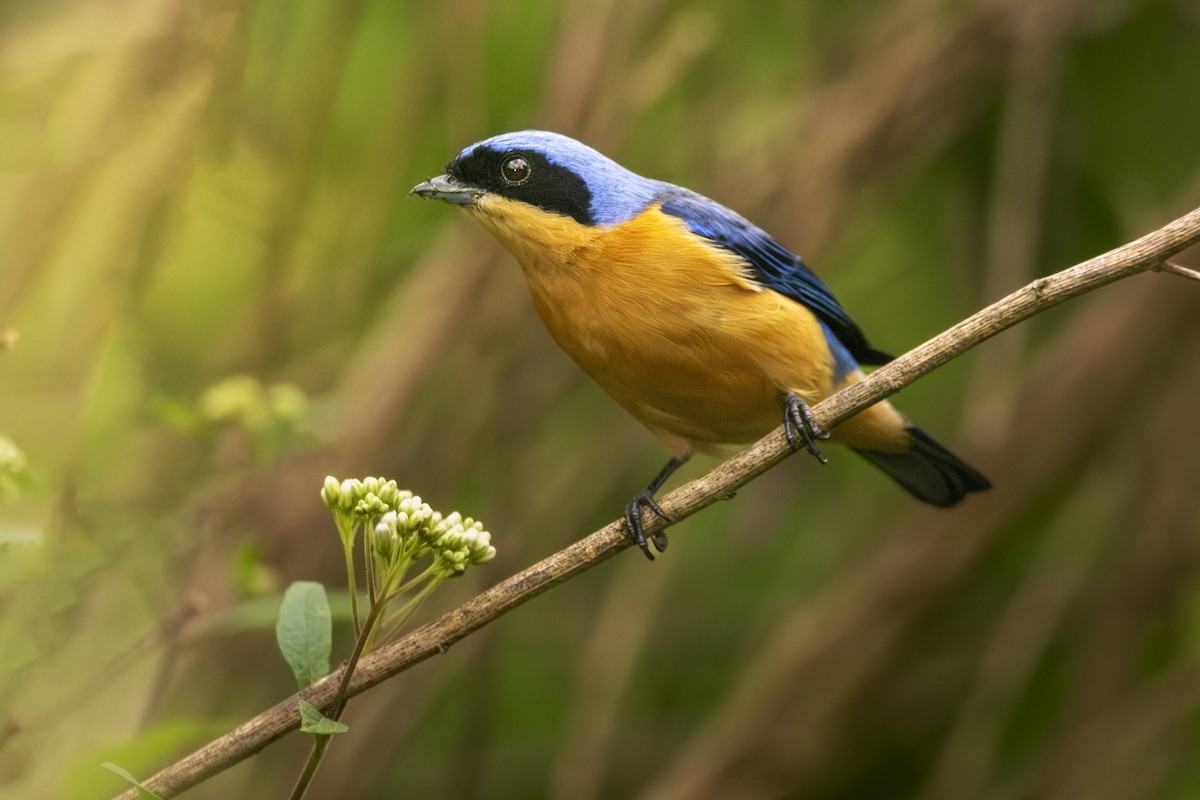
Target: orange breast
667,323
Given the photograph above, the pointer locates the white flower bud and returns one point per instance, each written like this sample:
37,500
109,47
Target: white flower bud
348,494
331,491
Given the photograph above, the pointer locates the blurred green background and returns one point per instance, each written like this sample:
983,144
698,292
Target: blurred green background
214,291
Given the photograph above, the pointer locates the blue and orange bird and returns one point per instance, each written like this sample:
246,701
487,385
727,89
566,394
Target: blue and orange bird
699,323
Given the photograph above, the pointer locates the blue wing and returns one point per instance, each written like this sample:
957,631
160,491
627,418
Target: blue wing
773,265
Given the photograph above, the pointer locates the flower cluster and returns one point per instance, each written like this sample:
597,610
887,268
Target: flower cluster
355,501
456,543
401,527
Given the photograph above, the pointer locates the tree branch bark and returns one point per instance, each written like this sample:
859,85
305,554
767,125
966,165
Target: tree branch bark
1147,253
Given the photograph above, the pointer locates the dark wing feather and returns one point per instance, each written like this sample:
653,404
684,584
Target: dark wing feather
773,265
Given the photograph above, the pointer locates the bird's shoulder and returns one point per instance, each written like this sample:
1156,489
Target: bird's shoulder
770,263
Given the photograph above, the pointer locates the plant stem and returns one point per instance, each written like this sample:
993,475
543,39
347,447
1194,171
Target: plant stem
373,592
406,587
310,767
321,742
408,609
348,551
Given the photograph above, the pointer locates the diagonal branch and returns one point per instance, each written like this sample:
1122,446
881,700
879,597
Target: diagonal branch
1140,255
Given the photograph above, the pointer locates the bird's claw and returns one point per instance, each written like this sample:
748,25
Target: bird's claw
633,522
800,426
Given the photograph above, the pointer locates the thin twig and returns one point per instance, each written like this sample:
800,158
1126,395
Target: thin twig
1148,252
1179,269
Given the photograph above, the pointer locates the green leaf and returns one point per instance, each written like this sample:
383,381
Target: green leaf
305,631
313,721
143,792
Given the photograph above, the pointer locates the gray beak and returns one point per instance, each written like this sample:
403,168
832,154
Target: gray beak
447,189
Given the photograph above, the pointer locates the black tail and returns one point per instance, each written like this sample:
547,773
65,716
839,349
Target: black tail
929,471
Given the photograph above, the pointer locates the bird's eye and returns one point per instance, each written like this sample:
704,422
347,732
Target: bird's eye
515,170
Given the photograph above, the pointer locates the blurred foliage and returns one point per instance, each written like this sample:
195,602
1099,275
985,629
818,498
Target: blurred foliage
191,192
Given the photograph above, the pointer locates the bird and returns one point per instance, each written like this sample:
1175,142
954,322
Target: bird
699,323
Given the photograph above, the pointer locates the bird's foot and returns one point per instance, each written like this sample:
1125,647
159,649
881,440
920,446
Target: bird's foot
800,426
633,522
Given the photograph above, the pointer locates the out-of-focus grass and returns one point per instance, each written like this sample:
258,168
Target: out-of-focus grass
194,192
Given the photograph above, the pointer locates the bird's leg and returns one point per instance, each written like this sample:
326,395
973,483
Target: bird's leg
645,499
800,426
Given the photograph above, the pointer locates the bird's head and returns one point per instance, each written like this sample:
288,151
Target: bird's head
545,171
